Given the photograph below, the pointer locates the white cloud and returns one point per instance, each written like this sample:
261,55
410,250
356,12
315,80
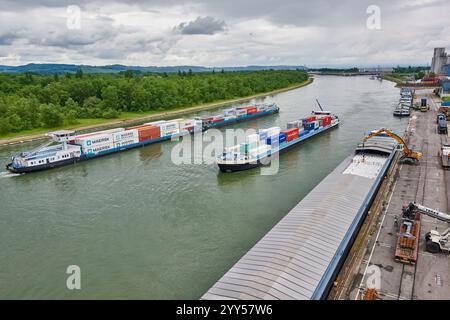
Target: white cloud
223,33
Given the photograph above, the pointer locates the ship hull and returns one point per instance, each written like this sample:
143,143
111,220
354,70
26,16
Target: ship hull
43,167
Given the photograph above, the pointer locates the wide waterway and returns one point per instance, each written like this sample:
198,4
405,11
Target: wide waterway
141,227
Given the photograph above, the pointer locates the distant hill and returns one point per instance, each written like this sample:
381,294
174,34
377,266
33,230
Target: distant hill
115,68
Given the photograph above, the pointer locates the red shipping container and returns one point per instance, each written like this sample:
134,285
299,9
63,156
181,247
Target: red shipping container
218,119
310,118
252,110
326,121
148,132
291,134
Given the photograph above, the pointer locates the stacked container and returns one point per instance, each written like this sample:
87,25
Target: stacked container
147,132
125,138
261,150
291,134
218,118
326,121
310,118
240,112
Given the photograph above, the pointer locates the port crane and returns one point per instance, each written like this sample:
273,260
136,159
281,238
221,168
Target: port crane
435,241
407,153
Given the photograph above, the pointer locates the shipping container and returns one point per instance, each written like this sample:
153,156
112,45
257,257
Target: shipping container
445,103
148,133
229,112
310,118
131,134
251,110
273,141
252,138
273,131
291,134
282,137
95,139
261,150
247,146
123,143
262,133
94,149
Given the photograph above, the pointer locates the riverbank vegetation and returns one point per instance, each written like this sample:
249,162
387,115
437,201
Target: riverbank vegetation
29,101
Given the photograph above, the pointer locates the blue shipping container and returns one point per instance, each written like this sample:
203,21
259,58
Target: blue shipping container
282,137
446,103
273,141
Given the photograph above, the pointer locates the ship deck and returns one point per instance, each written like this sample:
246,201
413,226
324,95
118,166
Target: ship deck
300,256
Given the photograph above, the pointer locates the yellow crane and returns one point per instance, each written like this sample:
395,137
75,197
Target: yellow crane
407,153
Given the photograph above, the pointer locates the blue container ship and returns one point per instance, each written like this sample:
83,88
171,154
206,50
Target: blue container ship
259,147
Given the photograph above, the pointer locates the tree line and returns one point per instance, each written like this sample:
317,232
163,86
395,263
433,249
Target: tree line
29,101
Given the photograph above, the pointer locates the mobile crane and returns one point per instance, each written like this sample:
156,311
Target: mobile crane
407,153
435,241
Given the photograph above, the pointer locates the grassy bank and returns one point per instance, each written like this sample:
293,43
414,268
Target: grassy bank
131,118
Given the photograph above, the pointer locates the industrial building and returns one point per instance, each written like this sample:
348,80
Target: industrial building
439,60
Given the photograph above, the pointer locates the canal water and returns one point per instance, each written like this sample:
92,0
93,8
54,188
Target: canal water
141,227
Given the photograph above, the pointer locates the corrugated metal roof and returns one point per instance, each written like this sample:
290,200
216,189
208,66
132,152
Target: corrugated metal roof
292,260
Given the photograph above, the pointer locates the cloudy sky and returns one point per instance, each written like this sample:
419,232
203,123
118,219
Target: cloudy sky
222,32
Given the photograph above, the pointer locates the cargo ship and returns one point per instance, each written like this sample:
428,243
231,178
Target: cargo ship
259,147
66,148
300,257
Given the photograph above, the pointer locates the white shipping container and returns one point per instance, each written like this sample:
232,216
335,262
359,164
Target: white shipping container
260,150
273,131
187,124
229,112
131,134
123,143
241,112
92,140
252,138
94,149
155,123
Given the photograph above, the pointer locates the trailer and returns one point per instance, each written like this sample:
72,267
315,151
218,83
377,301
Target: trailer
444,154
435,241
407,247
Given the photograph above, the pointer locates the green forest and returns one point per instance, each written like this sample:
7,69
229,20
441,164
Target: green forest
29,101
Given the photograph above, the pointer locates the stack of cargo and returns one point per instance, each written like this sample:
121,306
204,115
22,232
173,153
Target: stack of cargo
95,142
259,151
189,125
125,138
251,142
229,112
295,124
291,134
241,112
326,120
167,128
147,132
262,107
218,118
273,136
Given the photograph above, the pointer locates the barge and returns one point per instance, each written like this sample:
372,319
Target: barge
258,148
66,148
299,258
